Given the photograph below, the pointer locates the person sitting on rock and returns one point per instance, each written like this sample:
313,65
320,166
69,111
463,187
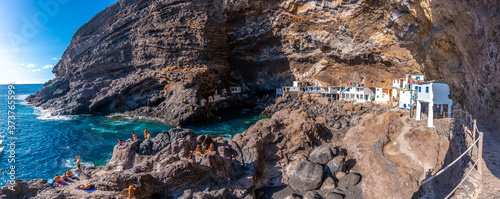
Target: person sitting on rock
210,148
146,134
198,150
84,187
57,178
131,191
69,173
134,136
120,142
190,157
65,177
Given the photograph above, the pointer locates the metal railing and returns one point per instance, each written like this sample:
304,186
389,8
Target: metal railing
471,123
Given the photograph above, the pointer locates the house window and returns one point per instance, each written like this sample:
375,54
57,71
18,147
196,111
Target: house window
427,89
419,89
418,78
377,96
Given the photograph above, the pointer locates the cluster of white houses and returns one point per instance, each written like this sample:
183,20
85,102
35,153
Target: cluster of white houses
405,92
222,94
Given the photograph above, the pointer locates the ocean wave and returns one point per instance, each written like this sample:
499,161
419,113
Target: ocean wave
22,97
48,115
226,136
71,163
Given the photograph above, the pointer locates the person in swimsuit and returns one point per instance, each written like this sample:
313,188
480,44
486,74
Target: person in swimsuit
65,177
120,142
210,149
69,173
57,178
84,187
134,136
146,134
78,162
198,150
131,191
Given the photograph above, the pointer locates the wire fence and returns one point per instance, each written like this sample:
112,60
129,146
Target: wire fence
477,138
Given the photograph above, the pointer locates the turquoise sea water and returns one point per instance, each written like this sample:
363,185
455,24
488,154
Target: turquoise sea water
41,146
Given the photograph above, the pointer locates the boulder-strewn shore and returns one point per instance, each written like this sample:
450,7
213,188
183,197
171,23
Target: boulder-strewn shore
298,152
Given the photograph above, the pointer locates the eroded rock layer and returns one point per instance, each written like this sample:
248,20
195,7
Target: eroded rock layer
152,56
138,54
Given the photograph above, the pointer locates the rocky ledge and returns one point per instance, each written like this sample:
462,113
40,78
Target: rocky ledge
292,154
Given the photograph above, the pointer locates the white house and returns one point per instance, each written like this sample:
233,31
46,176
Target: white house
414,78
357,94
435,94
383,95
235,89
279,92
405,98
398,83
352,93
300,84
406,86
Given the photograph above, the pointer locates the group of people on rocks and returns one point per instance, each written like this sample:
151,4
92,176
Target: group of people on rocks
68,174
147,135
198,150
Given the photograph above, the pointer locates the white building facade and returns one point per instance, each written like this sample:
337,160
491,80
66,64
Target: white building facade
434,94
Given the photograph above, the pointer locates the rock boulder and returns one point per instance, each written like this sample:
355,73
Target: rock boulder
321,154
306,176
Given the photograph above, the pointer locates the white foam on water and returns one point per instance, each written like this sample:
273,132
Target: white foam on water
226,136
21,97
88,164
71,163
44,114
101,129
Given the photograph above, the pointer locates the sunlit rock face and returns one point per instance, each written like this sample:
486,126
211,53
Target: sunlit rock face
333,42
152,56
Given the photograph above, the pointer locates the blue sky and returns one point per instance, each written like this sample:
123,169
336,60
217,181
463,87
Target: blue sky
35,33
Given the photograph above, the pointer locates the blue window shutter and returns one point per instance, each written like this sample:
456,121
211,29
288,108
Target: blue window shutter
427,89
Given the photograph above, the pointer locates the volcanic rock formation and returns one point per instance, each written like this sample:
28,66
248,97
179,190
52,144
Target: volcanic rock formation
152,57
291,154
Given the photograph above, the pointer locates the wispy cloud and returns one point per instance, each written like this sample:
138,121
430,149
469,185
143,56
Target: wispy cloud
30,65
55,59
13,71
36,70
22,64
47,66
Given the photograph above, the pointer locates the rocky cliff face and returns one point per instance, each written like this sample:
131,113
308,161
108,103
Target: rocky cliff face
153,56
138,54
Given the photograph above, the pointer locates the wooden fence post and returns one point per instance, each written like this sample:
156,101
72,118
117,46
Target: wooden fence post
474,131
480,155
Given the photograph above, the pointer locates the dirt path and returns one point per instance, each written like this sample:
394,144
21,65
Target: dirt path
491,166
405,148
